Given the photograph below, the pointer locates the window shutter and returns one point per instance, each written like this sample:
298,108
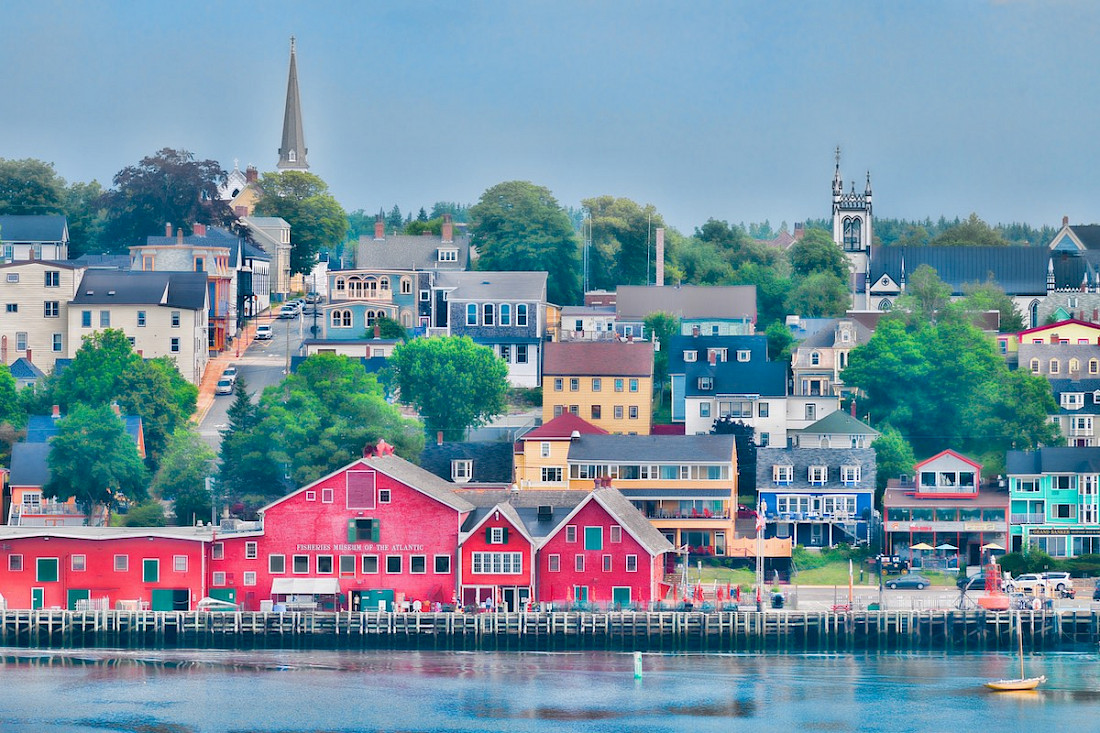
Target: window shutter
375,526
488,535
351,531
505,539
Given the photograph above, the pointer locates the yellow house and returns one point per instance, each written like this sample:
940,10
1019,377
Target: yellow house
686,485
608,383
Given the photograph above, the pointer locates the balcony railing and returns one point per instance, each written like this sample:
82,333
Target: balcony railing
1028,518
956,489
811,517
48,508
663,514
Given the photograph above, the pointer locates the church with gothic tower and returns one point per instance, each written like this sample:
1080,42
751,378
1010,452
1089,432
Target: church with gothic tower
852,231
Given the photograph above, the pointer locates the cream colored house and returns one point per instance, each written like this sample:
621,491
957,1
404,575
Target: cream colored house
162,313
34,303
272,235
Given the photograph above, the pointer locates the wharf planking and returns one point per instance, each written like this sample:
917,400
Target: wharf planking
728,631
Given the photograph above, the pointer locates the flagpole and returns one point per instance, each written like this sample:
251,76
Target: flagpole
849,584
761,507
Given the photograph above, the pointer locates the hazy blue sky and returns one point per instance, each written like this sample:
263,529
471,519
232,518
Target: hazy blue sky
723,109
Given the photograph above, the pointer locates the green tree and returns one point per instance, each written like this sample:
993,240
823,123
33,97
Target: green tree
893,457
86,217
10,409
246,471
772,287
94,460
622,238
819,295
452,382
780,341
432,226
394,220
168,187
970,233
460,213
745,444
926,294
697,262
661,327
322,416
388,328
316,220
817,252
148,513
989,296
517,225
181,478
30,186
422,215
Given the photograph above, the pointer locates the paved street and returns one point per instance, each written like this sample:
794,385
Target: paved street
262,364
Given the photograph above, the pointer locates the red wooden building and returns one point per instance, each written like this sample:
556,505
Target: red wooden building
103,567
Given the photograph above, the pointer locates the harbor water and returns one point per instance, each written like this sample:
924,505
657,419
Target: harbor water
182,691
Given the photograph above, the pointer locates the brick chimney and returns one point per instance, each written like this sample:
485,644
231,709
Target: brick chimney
168,229
1065,221
660,279
448,229
29,355
251,174
379,228
179,235
695,332
56,413
199,230
377,331
439,437
799,230
116,409
712,357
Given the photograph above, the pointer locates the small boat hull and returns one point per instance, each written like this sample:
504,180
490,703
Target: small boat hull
1016,685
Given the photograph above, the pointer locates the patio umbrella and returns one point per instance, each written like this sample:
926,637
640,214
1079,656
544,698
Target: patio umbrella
922,546
946,546
992,546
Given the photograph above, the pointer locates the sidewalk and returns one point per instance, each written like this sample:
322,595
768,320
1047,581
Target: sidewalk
217,365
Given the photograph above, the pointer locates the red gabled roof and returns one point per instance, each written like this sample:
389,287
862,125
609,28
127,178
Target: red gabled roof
598,358
947,452
563,426
1053,326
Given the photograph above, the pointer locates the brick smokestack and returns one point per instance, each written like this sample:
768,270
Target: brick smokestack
660,257
379,228
448,229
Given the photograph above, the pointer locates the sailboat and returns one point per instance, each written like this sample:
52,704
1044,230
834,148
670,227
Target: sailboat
1023,683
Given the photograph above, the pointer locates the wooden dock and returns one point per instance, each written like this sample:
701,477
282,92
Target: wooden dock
790,631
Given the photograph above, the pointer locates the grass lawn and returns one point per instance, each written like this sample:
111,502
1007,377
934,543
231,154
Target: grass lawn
833,573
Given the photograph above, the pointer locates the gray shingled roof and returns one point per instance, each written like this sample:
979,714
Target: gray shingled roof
1089,234
215,237
1018,270
838,422
23,369
33,228
825,335
407,252
802,458
29,464
1053,460
173,289
633,520
418,478
526,504
652,448
494,285
492,462
1086,387
635,302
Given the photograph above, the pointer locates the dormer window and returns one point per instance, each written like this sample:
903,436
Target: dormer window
815,358
849,475
743,355
1073,400
818,475
462,470
706,383
690,355
716,354
782,475
291,156
447,255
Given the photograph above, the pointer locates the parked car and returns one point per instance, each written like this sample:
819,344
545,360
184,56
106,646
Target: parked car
973,582
230,372
890,563
224,386
288,311
744,512
263,332
1059,581
1027,583
912,580
312,298
1096,593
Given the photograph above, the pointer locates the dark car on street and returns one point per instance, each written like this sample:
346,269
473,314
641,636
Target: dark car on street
912,580
973,582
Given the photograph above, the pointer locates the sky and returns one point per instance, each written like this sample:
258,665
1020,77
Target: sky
730,110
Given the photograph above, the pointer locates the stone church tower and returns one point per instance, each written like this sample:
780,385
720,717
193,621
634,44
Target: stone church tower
292,153
852,231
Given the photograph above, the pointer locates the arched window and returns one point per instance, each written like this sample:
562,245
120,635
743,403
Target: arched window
406,319
853,233
471,314
340,285
370,287
815,358
1074,365
488,315
1053,366
885,304
1094,366
521,314
371,317
355,288
505,314
341,319
1033,313
1034,365
384,284
406,286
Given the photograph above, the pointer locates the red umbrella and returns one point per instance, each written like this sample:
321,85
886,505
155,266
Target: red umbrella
699,592
738,599
718,594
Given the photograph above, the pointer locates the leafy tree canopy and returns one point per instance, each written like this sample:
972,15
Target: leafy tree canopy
245,468
973,232
520,226
30,186
893,457
316,220
662,327
460,213
94,460
146,514
622,238
820,295
394,220
925,294
388,328
184,468
817,252
989,296
86,217
745,442
452,382
168,187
